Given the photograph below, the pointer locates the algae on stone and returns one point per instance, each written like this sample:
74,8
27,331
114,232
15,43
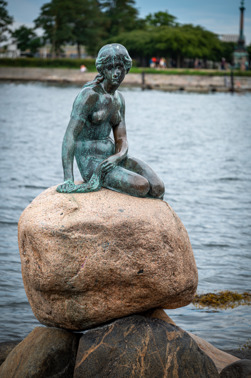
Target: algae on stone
222,300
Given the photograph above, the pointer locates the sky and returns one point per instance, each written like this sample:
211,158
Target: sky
219,16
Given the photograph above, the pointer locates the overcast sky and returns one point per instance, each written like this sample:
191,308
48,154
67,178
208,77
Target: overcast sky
219,16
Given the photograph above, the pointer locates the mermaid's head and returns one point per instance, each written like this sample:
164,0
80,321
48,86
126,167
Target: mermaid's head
112,54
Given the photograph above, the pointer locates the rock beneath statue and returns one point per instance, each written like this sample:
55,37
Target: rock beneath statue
219,357
6,347
137,346
238,369
90,258
45,352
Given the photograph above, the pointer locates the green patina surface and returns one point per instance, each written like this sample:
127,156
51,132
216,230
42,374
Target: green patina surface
99,112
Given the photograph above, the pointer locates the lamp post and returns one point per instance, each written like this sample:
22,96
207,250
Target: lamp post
241,41
240,54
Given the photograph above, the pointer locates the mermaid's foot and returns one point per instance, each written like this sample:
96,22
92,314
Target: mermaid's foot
67,187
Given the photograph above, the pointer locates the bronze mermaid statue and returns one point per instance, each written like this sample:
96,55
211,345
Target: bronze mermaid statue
103,161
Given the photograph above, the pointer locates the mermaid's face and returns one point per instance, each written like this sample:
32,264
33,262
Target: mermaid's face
114,72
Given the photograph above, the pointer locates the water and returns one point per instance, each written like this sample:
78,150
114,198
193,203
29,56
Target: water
200,144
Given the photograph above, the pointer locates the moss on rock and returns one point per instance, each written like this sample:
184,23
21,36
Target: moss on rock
223,299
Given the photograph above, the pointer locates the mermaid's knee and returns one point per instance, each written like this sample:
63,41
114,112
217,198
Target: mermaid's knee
142,187
157,190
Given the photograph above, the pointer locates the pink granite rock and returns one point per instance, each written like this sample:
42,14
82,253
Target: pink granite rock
89,258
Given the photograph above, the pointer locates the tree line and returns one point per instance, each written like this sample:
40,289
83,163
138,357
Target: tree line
92,23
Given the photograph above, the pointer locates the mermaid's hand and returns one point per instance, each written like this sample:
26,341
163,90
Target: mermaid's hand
108,164
67,187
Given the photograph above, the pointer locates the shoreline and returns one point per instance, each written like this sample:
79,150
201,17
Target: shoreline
187,83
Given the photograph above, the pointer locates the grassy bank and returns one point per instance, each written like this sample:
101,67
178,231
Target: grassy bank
185,71
90,64
48,63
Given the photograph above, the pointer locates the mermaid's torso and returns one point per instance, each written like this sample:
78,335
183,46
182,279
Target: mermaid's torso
98,114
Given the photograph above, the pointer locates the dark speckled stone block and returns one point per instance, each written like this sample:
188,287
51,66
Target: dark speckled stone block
137,346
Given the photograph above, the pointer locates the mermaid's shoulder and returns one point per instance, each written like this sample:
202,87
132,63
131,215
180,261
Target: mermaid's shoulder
84,102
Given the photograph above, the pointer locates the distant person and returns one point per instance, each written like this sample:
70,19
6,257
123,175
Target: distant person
154,61
83,68
162,63
151,64
223,63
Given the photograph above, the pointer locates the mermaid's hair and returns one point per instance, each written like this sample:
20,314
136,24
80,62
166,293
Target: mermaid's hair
107,54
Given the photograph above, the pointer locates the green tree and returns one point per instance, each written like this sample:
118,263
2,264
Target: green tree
26,39
200,43
161,19
56,20
5,21
140,44
120,16
177,42
74,22
86,21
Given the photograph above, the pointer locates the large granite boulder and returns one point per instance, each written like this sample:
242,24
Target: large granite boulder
45,352
89,258
141,347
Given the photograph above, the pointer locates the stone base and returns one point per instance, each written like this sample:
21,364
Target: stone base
93,257
135,346
45,352
142,340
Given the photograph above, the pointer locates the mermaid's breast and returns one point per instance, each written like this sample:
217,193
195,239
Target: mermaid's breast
115,118
99,116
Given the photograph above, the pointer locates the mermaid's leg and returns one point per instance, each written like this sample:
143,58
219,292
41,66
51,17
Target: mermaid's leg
157,188
125,181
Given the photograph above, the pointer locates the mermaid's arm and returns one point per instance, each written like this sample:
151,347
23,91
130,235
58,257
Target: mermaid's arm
68,147
119,132
81,109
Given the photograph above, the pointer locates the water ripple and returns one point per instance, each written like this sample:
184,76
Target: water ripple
201,147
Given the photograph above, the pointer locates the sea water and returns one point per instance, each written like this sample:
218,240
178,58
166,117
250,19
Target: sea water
199,144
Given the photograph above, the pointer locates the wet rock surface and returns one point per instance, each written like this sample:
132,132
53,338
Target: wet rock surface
90,258
144,345
238,369
137,346
6,348
45,352
220,358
